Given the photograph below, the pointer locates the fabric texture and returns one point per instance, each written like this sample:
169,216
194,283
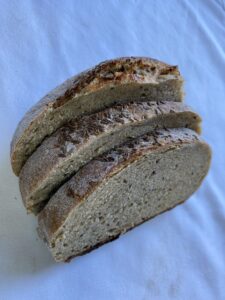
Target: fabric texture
177,255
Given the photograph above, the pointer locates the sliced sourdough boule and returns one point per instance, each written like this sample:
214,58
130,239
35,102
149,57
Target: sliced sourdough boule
114,81
123,188
72,146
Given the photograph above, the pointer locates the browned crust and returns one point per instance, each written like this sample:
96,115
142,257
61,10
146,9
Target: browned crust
114,71
100,169
117,71
77,133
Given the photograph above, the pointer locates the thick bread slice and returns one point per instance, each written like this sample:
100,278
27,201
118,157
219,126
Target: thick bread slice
123,188
72,146
114,81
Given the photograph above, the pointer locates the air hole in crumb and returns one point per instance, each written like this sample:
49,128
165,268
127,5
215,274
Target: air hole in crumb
125,181
176,166
130,146
157,160
65,245
163,178
153,172
145,138
112,88
143,95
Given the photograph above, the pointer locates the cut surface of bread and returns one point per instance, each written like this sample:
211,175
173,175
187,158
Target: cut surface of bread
123,188
115,81
72,146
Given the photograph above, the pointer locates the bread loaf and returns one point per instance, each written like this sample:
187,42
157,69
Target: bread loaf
123,188
107,150
115,81
72,146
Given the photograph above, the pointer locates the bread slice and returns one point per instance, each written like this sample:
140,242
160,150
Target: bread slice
72,146
114,81
121,189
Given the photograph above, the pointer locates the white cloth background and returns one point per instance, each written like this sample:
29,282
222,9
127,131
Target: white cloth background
178,255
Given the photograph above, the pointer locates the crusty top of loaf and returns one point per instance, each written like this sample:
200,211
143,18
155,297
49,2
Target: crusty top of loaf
87,179
117,71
